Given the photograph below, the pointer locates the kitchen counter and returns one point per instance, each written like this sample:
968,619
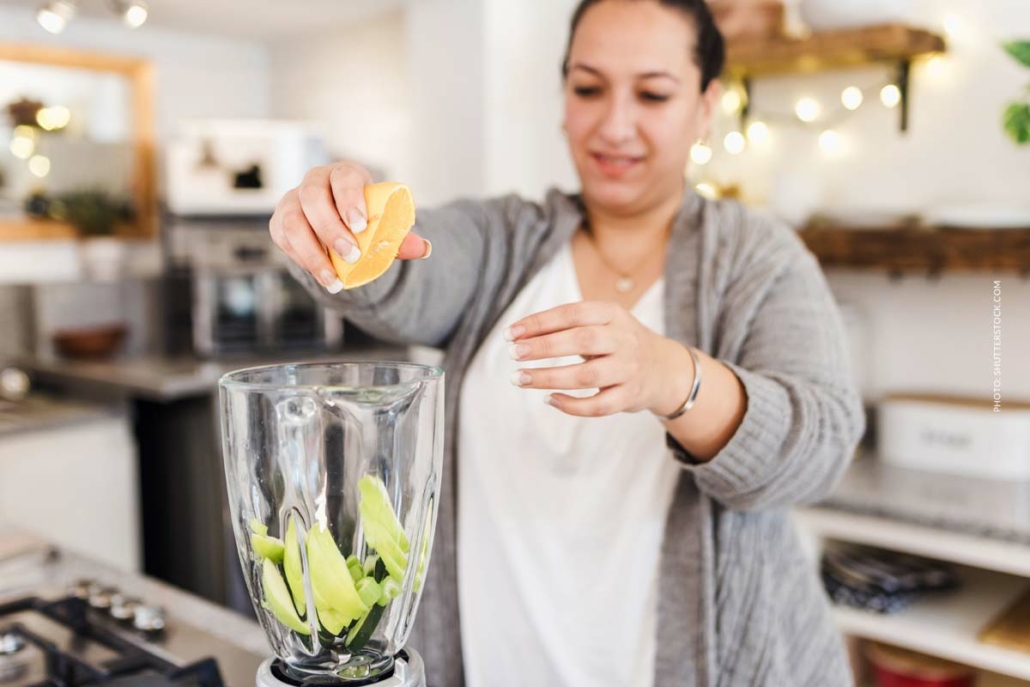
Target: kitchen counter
40,412
162,378
29,565
992,509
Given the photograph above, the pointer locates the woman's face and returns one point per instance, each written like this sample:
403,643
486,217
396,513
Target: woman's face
633,103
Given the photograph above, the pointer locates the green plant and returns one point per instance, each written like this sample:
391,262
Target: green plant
93,212
1016,119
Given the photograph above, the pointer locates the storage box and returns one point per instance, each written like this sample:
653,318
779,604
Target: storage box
958,435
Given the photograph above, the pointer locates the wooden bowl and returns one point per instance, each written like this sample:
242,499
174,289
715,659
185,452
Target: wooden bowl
89,344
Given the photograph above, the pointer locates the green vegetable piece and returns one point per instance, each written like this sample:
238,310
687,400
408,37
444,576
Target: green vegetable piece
331,577
354,566
362,631
375,505
292,566
370,565
391,589
395,559
369,591
277,599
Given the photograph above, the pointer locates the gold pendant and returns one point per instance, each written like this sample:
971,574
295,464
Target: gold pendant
624,284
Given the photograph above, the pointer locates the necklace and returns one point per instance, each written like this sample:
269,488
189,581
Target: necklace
624,281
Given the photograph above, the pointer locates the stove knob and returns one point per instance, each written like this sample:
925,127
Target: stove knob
81,588
124,607
101,598
149,618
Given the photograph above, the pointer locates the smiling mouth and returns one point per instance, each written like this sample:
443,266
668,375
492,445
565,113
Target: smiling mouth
618,160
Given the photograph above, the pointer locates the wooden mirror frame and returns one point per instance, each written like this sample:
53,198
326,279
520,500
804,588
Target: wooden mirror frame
139,72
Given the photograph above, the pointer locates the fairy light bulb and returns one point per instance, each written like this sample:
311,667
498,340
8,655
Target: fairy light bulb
734,143
757,132
890,95
700,154
807,110
39,165
731,101
707,190
851,97
829,142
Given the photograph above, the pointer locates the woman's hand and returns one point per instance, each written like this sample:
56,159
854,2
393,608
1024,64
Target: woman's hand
328,210
634,368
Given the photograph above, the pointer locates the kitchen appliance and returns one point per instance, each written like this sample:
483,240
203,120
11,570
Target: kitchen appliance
957,435
97,635
229,291
238,167
333,472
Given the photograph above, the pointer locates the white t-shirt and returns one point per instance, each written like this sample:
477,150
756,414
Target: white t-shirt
560,520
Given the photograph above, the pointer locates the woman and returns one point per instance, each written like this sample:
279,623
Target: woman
581,542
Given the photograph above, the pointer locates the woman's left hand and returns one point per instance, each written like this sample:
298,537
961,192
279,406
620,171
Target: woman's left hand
633,367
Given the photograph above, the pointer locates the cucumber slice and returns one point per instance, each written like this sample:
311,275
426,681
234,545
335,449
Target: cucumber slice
331,577
355,568
292,567
395,559
277,599
263,545
369,591
362,631
375,505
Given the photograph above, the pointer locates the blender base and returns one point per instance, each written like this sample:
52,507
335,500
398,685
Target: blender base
407,672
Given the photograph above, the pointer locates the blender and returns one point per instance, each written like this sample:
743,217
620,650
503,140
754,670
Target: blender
333,472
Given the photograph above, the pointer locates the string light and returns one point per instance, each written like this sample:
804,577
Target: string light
936,65
851,97
39,165
890,95
734,143
829,141
700,154
807,110
757,132
731,101
55,15
22,148
53,118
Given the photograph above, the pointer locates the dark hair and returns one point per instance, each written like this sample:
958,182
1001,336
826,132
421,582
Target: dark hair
709,51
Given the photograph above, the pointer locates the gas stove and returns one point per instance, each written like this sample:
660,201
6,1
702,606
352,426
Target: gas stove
96,635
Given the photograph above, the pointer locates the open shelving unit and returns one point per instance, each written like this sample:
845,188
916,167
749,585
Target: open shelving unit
995,573
894,45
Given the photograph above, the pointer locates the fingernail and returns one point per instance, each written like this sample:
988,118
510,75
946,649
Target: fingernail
356,221
520,378
551,400
516,351
331,282
512,333
429,250
347,250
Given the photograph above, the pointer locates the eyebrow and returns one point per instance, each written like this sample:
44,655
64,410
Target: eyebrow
642,75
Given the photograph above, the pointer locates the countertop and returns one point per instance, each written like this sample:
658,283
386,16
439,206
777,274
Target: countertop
31,565
41,411
993,509
163,378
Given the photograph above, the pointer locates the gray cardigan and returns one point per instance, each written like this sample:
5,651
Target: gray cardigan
739,603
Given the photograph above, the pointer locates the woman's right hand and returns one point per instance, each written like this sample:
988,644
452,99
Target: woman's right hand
328,210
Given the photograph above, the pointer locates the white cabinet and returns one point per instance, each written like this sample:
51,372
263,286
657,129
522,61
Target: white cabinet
76,485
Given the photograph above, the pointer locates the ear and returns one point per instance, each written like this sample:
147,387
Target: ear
706,108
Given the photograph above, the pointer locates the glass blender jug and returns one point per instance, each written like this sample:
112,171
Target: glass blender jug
333,472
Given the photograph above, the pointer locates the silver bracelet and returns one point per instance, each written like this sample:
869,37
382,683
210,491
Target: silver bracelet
689,403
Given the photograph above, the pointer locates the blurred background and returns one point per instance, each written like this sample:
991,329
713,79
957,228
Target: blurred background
143,147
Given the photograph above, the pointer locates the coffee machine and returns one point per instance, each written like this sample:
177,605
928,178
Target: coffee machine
333,474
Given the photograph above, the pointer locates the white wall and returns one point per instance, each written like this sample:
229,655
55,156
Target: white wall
354,83
195,75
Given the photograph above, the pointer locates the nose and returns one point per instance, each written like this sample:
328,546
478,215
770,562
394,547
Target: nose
619,123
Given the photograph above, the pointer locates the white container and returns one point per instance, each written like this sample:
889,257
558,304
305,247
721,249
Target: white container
961,436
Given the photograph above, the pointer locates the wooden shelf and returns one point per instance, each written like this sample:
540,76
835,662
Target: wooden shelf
36,230
924,250
886,43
